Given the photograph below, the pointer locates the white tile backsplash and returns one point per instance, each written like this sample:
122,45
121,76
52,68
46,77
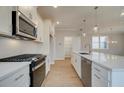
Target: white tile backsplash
11,47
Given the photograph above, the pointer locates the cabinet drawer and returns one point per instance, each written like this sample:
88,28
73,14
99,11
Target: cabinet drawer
26,10
18,79
98,81
101,71
6,20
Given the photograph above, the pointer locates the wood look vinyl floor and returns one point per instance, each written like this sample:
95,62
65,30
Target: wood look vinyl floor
62,74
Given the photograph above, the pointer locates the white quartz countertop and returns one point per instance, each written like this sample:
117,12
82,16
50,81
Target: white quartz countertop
111,62
8,68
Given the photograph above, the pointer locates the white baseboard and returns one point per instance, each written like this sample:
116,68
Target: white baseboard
67,56
59,58
53,62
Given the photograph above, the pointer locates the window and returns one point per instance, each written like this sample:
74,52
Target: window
99,42
95,42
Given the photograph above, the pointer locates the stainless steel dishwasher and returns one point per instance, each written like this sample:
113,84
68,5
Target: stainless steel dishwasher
86,72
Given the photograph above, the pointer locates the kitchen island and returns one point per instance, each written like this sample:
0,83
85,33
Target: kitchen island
106,70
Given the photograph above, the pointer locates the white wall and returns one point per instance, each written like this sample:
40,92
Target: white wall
11,47
117,49
46,37
60,42
76,44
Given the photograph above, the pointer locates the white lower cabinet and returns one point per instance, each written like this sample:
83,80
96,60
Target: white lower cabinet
100,76
76,62
47,65
78,65
98,81
73,59
18,79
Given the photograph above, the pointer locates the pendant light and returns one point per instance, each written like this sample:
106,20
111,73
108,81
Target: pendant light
84,32
95,28
55,6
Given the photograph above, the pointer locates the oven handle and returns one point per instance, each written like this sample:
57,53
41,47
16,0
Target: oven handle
34,68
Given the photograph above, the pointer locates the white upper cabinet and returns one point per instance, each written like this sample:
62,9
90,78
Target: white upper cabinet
40,29
28,11
50,27
6,20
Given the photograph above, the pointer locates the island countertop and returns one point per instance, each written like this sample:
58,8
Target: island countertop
111,62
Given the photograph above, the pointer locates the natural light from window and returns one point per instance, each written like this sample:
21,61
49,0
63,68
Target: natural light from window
99,42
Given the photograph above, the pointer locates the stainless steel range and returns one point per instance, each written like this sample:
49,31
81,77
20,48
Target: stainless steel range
37,66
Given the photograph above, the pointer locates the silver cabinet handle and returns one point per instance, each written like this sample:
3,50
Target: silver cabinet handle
97,76
97,69
19,77
38,66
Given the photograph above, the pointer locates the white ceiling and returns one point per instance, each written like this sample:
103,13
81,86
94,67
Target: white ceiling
71,17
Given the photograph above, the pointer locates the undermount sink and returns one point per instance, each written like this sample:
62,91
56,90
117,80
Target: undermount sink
84,53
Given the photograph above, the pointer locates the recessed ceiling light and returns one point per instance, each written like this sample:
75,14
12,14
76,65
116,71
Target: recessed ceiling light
84,34
114,42
57,22
122,14
55,6
95,28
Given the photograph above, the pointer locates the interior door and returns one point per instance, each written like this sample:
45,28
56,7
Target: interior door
68,46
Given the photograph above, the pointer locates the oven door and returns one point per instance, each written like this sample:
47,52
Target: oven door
39,74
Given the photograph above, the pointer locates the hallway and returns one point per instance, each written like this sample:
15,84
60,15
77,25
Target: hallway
62,74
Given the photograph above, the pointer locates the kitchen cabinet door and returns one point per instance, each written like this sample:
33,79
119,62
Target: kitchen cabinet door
47,64
72,59
18,79
40,29
100,76
101,71
28,11
76,62
6,20
98,81
79,65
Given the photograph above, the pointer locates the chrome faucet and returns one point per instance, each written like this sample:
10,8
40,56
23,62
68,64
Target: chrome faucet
90,49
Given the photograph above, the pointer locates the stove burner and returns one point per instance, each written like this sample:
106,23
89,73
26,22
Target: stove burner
21,58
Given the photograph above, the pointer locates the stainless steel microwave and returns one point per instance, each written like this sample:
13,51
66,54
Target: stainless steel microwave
23,26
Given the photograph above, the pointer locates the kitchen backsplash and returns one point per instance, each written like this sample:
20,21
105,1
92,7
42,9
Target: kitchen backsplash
11,47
